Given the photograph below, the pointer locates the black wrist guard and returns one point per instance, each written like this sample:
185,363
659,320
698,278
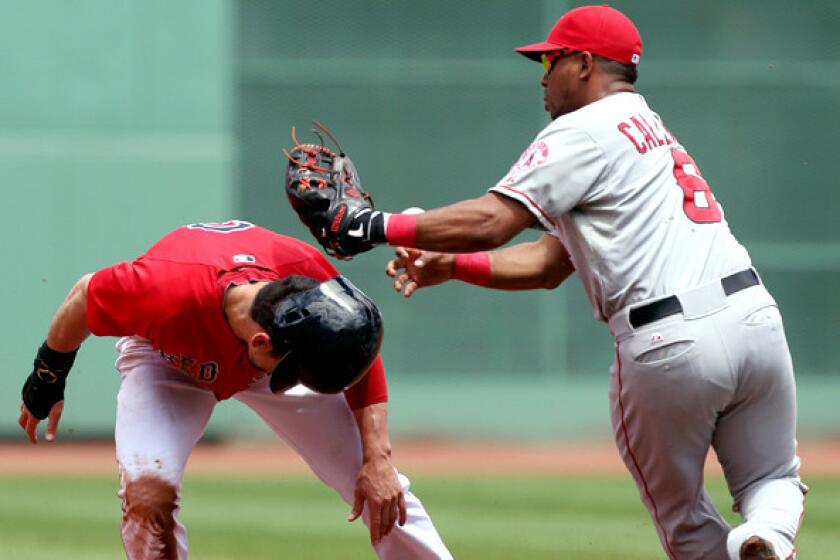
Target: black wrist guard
45,385
376,230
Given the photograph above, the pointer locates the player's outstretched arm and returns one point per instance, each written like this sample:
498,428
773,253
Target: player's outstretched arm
326,193
43,391
478,224
544,263
377,484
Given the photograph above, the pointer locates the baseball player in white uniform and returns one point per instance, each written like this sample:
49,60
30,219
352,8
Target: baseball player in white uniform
700,353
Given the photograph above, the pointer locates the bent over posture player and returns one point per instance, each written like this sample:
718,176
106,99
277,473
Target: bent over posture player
700,353
204,315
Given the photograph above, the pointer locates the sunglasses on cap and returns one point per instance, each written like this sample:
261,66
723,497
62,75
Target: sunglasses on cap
550,58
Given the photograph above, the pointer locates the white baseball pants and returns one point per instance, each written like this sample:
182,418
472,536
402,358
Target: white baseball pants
161,414
717,375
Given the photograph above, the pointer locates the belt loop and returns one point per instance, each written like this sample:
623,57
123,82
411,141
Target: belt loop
704,300
619,323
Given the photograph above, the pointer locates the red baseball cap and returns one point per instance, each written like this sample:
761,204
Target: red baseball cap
600,30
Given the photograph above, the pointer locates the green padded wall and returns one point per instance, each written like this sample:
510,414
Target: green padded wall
434,106
120,120
115,127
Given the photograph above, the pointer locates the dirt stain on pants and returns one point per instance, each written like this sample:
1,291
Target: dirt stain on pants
148,523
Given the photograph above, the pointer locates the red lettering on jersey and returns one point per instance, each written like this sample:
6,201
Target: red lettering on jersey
669,138
658,125
624,128
651,141
699,203
652,129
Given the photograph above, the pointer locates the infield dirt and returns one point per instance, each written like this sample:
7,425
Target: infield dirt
457,458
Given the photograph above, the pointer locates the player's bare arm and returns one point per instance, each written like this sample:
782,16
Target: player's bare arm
377,484
69,327
479,224
43,393
541,264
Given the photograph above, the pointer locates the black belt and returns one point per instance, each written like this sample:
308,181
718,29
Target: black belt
661,308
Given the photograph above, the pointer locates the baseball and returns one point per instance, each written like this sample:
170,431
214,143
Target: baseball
413,210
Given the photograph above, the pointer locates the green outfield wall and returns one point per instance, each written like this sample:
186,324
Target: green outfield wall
122,120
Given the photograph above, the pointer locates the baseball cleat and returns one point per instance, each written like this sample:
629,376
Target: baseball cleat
756,548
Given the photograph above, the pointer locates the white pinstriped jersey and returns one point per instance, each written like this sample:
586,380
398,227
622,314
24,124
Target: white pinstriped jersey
627,202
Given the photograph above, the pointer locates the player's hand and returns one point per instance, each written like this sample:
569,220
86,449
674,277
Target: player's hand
29,424
378,485
413,269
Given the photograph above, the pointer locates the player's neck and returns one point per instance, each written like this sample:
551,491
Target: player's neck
613,87
237,306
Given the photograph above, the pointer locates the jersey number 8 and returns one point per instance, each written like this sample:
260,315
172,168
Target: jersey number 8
699,203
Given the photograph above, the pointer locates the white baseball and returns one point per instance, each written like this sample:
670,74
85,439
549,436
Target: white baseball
413,210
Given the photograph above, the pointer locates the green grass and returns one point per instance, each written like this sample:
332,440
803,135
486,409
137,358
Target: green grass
481,518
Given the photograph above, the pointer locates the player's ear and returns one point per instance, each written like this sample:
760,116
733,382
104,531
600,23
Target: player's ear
587,64
260,342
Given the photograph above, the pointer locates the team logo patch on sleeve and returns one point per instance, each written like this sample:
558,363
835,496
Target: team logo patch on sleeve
533,156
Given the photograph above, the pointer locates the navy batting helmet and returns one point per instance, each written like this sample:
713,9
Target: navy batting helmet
332,332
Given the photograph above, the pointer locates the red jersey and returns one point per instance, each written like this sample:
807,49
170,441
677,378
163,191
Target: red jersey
173,296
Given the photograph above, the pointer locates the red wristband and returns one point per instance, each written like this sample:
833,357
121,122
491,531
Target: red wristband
401,230
473,268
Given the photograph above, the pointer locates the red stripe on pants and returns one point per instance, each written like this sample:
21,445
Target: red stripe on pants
636,463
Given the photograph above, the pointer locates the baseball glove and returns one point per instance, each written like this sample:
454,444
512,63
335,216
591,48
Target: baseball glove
324,189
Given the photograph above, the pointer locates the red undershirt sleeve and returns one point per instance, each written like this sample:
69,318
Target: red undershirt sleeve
371,389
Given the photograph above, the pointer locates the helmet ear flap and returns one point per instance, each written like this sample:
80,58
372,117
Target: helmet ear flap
285,375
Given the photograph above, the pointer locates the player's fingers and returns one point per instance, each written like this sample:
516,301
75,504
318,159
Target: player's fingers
375,519
390,517
22,417
358,506
53,419
31,428
405,278
393,267
401,253
403,512
410,288
385,519
401,280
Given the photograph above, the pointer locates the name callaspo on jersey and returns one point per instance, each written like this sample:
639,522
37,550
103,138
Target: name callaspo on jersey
646,134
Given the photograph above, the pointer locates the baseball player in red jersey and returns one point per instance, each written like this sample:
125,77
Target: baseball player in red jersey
204,316
701,356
